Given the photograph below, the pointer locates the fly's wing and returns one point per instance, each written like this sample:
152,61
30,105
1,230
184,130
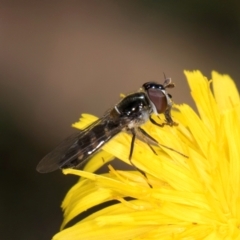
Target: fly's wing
79,147
51,161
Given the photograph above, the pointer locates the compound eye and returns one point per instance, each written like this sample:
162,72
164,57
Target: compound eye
158,98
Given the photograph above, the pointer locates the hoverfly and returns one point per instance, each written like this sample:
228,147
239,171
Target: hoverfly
128,115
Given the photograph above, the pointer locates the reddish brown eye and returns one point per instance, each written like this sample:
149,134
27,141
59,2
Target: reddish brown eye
158,98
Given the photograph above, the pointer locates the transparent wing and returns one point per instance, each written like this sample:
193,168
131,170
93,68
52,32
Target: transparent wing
51,161
79,147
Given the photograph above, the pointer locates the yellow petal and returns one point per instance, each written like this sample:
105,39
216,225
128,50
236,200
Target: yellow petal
190,189
204,99
225,91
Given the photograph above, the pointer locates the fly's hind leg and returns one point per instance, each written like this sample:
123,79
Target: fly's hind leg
142,134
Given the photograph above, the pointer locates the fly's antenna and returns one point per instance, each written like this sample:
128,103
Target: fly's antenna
167,82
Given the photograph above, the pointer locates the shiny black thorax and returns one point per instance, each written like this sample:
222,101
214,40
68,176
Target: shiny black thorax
133,109
133,104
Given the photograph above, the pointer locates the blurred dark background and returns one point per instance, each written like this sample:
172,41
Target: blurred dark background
59,59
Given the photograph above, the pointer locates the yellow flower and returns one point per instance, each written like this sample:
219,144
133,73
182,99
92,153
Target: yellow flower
191,198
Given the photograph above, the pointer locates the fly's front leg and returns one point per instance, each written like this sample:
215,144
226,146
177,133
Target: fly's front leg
168,117
155,123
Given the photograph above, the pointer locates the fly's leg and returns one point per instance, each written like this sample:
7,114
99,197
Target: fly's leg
168,117
169,120
131,153
132,146
150,140
155,123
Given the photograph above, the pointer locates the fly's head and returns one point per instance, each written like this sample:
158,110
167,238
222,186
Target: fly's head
159,98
